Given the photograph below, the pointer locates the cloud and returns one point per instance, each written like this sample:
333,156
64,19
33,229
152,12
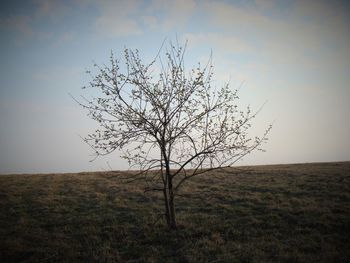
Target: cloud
118,18
221,41
296,39
17,23
37,21
264,4
124,18
172,14
52,9
330,19
109,19
65,38
150,21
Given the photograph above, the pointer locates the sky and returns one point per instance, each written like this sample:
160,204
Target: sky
292,55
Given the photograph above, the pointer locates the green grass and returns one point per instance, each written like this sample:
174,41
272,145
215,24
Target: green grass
280,213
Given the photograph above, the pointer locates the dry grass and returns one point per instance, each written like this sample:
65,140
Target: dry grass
281,213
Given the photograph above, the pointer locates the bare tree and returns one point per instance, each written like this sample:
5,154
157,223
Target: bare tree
170,124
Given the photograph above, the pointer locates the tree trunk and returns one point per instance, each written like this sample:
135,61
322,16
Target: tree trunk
170,214
168,190
169,209
166,202
172,207
169,204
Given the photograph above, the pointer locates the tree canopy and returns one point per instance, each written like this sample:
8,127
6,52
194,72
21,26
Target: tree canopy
169,123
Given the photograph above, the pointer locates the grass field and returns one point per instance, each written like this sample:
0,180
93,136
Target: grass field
279,213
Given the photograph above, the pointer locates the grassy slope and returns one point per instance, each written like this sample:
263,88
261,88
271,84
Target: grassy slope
282,213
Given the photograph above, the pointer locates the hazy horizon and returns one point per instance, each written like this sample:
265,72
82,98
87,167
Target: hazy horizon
294,55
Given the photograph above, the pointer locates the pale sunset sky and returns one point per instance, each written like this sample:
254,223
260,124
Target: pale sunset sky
293,55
